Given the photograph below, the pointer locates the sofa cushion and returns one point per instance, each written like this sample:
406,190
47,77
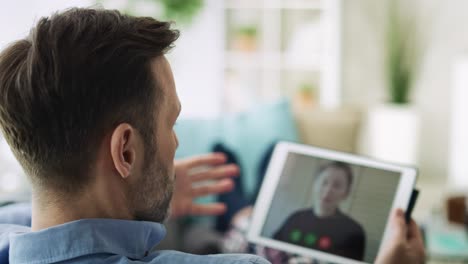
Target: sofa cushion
248,134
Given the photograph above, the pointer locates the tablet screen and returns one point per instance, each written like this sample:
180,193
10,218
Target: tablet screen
330,205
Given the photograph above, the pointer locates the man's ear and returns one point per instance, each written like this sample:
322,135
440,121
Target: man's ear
123,146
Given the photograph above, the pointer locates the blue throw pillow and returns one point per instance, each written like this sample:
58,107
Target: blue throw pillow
251,133
247,134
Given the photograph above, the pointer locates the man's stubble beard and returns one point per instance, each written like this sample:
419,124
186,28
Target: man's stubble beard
152,194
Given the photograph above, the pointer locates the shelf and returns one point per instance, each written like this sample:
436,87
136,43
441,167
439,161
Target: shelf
296,42
286,4
269,61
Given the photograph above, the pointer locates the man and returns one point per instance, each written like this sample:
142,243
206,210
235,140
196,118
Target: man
88,105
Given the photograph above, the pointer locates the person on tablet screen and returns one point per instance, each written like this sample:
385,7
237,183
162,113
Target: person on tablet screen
324,227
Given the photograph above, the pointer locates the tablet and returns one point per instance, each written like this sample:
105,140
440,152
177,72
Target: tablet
328,205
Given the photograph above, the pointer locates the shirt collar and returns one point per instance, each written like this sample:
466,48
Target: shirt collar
133,239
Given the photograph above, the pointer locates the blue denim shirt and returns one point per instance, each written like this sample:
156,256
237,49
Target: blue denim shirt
104,241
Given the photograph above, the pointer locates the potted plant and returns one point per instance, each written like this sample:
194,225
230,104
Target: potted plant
182,11
401,55
305,96
245,38
392,128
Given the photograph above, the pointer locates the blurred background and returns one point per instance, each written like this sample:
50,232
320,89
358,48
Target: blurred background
386,79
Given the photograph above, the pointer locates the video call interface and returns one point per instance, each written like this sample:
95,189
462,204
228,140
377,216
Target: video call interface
331,206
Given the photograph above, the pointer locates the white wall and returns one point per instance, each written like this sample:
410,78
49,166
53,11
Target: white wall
17,17
363,74
197,62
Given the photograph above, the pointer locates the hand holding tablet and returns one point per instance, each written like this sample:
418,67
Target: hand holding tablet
328,205
404,245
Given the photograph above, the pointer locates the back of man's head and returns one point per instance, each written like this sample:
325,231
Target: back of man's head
76,76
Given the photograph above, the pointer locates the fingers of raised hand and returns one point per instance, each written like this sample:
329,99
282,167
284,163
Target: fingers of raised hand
208,209
217,187
204,160
217,172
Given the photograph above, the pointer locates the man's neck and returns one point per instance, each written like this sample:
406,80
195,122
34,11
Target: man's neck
50,211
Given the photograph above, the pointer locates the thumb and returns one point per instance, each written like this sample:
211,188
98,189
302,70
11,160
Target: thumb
398,224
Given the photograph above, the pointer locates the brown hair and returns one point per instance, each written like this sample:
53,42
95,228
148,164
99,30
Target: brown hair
76,76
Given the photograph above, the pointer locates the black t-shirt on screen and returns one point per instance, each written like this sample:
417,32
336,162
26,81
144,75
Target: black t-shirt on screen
338,234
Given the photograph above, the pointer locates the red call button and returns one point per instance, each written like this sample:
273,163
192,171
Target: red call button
324,242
